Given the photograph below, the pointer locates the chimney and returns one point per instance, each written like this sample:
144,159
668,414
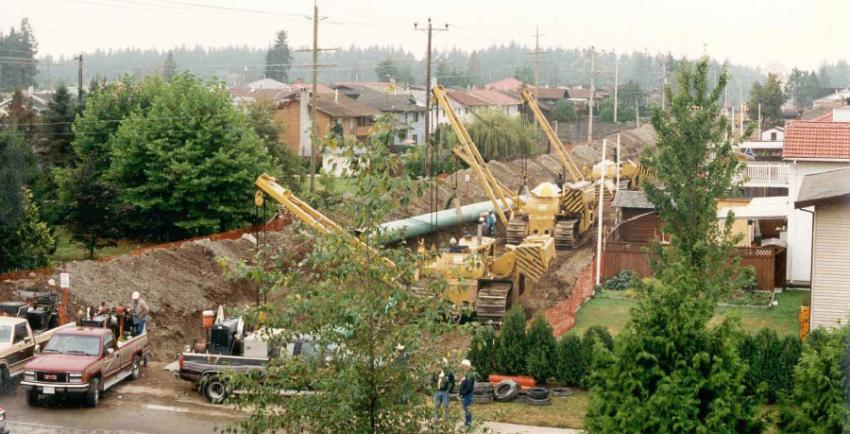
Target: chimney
336,95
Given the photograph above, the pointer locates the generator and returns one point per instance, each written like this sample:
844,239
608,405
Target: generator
223,337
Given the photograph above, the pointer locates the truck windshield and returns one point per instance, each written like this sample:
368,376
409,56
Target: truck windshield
5,333
73,344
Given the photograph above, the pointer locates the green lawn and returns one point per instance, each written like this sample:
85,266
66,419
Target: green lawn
68,250
613,313
565,412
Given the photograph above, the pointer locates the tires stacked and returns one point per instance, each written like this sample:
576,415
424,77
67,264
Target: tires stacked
482,393
538,396
561,391
506,390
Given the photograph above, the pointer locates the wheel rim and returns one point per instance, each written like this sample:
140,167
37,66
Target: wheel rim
216,390
136,368
96,394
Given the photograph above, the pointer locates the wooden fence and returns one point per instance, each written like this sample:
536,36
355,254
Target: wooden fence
767,261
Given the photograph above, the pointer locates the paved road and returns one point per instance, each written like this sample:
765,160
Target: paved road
124,409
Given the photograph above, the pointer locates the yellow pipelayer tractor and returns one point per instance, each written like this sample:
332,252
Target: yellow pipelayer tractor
566,214
478,280
629,170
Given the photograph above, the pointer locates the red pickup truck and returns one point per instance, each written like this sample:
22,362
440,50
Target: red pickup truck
84,361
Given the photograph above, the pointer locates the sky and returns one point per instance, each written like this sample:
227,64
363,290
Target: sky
773,34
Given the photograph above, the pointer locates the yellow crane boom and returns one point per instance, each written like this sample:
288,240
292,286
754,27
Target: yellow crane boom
502,197
267,184
566,160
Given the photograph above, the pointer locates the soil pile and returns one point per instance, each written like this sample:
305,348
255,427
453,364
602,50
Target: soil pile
178,282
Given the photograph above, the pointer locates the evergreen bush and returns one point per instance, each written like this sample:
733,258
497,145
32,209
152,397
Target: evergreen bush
511,344
542,350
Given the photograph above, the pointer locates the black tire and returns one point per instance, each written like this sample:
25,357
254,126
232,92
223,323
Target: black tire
5,380
531,401
215,390
506,390
482,399
538,393
93,395
482,388
136,368
561,391
145,361
32,397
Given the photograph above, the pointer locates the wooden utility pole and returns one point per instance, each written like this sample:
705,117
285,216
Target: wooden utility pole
760,128
428,151
314,98
536,59
637,113
616,83
663,84
49,76
601,207
592,95
80,81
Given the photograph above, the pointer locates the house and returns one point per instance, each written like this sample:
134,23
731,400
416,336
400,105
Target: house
498,100
268,84
827,196
37,100
408,116
810,147
463,104
841,96
775,134
636,216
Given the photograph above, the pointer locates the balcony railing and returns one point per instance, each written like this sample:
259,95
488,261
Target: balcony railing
764,174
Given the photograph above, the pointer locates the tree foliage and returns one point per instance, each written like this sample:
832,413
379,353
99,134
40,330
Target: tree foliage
564,111
570,369
771,97
541,357
278,58
802,88
511,345
482,351
818,403
669,372
357,307
169,67
19,46
182,165
388,69
289,167
498,135
771,361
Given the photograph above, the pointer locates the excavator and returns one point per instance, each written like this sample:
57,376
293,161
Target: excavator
478,279
629,170
566,215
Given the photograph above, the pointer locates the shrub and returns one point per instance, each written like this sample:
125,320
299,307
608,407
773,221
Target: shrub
511,344
818,402
569,368
625,279
482,351
591,337
542,350
771,362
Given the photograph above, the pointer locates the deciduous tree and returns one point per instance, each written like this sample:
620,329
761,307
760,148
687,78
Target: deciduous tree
771,97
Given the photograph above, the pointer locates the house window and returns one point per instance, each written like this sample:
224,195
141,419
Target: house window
773,136
415,116
415,139
362,122
352,124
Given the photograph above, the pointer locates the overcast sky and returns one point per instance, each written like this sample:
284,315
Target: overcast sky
767,33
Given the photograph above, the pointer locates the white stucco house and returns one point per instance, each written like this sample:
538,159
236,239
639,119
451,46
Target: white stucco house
810,147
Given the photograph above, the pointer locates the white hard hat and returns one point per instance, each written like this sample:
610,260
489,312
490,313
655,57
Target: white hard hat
51,282
399,347
453,241
466,363
136,295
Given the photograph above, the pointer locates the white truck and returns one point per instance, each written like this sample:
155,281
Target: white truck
19,345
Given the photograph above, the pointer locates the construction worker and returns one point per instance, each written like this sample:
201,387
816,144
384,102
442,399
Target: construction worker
444,384
491,223
141,313
467,385
454,247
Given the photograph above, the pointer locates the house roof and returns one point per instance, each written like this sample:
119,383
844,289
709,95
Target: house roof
550,93
817,140
494,97
380,86
267,83
822,187
509,83
579,93
343,106
631,199
467,99
398,103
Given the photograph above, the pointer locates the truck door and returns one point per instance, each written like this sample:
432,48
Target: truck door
22,345
111,362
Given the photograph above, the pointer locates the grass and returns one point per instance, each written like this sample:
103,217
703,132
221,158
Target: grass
565,412
613,313
68,250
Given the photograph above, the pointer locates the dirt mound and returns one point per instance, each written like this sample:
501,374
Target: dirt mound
557,284
178,283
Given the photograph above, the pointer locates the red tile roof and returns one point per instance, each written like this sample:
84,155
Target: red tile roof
494,97
817,140
505,84
467,99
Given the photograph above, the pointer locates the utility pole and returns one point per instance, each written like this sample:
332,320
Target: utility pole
80,81
741,125
760,121
314,97
429,31
663,84
601,206
49,76
616,83
637,113
536,59
592,95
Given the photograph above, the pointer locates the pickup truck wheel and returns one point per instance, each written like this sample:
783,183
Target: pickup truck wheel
215,390
32,397
93,395
5,381
136,368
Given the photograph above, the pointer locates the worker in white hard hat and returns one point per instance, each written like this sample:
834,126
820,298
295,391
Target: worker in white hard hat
467,386
141,314
454,247
51,283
